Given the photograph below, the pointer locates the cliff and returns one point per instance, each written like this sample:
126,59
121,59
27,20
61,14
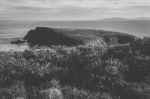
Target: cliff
49,36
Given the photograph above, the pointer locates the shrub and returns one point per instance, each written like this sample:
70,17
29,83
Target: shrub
88,71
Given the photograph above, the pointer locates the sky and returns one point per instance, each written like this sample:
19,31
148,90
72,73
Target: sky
72,9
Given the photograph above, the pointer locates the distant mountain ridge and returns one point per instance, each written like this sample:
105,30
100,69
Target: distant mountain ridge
124,19
115,19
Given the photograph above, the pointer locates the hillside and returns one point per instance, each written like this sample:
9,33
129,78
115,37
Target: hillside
77,71
86,71
68,36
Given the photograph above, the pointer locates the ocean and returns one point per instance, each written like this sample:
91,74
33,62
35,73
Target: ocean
12,30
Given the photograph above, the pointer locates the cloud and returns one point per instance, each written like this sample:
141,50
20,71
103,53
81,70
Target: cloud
72,9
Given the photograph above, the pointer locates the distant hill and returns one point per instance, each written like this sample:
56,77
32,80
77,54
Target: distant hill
69,37
115,19
126,19
142,18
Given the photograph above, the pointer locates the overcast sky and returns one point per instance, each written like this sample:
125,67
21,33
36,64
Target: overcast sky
72,9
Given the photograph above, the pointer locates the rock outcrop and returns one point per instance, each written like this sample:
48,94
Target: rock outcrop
49,36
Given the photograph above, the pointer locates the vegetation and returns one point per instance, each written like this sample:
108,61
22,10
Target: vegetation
91,71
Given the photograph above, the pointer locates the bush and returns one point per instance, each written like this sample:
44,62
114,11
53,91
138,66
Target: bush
91,71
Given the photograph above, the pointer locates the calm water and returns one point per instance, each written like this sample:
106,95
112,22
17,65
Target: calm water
11,30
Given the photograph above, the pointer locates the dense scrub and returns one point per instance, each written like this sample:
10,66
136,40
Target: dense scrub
91,71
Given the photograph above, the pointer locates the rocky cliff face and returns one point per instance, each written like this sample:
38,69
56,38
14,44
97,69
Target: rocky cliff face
49,36
71,37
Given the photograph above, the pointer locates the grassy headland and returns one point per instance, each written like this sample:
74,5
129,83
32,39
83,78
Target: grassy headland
71,37
93,70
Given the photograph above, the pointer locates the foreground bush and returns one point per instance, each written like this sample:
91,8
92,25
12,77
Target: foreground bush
92,71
